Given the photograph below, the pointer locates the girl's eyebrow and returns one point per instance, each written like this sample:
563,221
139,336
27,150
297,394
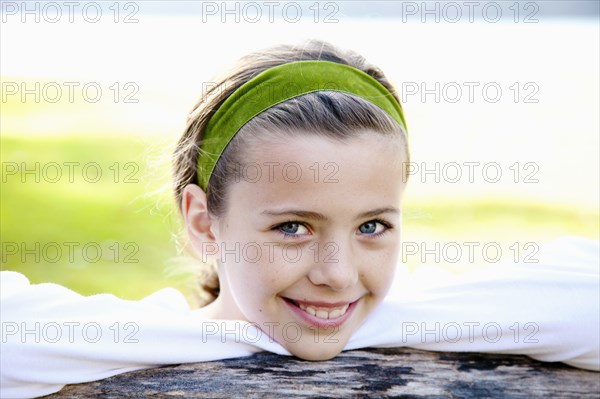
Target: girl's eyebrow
296,212
321,217
378,211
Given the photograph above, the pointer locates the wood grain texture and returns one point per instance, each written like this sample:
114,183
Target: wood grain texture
391,372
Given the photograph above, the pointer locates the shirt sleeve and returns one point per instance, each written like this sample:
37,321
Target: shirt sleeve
548,310
52,336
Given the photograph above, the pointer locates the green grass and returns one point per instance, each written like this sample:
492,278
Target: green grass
517,227
116,213
501,219
46,214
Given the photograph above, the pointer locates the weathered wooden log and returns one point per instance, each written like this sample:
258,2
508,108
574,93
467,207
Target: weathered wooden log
391,372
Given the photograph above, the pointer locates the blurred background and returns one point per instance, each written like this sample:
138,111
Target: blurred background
501,100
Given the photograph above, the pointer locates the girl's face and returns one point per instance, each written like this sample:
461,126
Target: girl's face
310,239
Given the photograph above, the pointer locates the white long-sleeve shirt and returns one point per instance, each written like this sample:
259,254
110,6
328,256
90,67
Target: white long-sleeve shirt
550,311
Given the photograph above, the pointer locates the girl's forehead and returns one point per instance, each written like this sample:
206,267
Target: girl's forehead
364,153
313,171
311,145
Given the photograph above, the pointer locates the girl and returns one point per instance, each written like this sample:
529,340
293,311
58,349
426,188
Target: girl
289,178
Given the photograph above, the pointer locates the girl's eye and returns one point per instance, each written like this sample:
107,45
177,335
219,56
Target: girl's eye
373,228
292,228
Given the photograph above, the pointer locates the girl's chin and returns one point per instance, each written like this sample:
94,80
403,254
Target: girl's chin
314,351
317,345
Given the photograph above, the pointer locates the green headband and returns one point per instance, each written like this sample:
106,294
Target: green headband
279,84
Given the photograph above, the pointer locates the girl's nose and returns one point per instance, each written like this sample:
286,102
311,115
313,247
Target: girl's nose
334,266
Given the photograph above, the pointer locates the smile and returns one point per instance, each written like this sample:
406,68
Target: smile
322,314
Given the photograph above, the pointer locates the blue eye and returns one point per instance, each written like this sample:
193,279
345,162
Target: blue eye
373,228
289,228
368,228
292,229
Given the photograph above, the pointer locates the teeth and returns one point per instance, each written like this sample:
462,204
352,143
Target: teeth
323,314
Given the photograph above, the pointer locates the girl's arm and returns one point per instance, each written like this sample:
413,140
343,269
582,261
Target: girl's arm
52,336
549,310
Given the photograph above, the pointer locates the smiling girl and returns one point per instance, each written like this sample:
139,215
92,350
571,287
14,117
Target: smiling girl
289,179
318,180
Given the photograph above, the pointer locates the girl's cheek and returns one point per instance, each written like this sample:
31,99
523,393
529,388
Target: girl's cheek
380,274
272,277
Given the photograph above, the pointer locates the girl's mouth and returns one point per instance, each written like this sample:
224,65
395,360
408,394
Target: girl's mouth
324,313
320,314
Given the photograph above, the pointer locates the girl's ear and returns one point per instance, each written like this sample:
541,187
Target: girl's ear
199,225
